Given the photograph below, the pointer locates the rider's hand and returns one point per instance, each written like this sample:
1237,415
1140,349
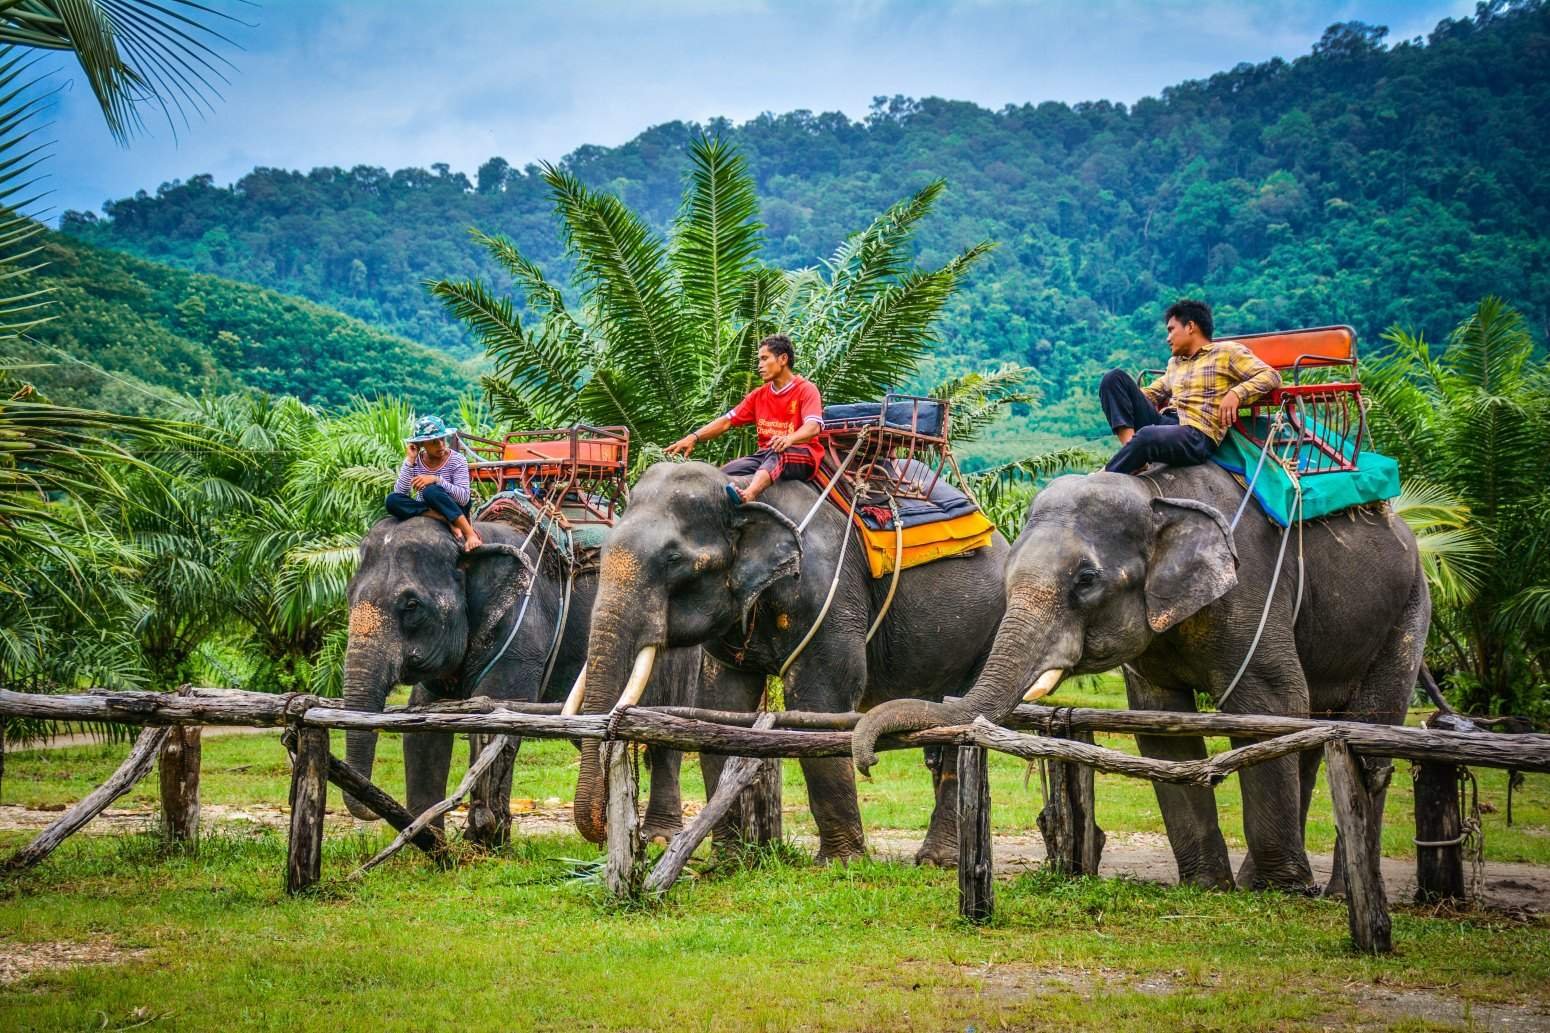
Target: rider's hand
1227,409
422,481
780,443
411,450
683,446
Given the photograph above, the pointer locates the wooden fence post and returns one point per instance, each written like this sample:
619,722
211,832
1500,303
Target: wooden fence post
489,805
1367,907
759,806
309,795
976,875
622,873
179,775
1439,870
1073,842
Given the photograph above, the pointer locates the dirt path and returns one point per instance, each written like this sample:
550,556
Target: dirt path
1139,855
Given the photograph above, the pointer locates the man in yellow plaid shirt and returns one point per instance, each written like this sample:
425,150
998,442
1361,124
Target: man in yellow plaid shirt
1179,418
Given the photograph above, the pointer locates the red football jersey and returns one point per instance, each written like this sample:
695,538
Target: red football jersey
781,412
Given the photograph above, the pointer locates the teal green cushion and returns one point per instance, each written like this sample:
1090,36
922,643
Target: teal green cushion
1375,479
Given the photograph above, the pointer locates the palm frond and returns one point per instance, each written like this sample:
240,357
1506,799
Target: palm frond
716,240
132,53
978,400
623,268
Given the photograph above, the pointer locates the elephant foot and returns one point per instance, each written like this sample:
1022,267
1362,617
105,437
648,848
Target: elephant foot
842,856
937,854
1207,880
1294,879
660,831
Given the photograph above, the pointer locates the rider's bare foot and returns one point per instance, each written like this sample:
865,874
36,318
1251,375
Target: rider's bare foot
472,541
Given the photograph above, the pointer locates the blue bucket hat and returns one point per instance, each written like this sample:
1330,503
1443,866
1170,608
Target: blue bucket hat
429,428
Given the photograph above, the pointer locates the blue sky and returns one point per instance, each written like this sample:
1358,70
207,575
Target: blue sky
412,82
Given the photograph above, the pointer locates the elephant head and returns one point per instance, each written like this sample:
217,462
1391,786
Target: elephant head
410,616
681,568
1101,568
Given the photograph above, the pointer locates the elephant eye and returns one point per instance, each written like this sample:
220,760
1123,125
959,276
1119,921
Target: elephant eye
1086,577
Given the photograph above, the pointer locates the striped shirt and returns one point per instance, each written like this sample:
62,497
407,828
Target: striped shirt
1194,386
452,473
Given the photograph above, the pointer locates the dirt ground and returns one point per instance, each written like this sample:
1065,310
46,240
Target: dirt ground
1140,855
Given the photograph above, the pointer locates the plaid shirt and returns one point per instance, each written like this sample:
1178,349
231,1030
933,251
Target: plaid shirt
1194,386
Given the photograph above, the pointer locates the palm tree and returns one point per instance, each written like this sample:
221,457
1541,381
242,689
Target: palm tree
1470,427
669,327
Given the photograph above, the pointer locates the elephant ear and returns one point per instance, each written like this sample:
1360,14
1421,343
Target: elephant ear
1193,562
766,547
493,585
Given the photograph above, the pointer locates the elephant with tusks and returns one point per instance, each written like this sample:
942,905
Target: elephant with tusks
1145,572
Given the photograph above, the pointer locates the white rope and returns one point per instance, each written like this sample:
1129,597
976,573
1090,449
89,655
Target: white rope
839,568
898,562
1275,578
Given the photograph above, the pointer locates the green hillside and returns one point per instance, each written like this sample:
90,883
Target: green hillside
1362,182
125,332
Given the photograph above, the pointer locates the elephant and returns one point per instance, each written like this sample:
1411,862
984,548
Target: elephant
686,567
425,613
1145,572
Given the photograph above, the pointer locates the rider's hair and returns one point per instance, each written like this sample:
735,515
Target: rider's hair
1188,310
780,344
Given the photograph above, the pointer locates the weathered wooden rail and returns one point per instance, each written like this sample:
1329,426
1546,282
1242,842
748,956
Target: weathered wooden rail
1075,842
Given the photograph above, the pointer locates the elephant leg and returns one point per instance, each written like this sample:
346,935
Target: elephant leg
1272,804
1382,698
664,810
427,759
1189,812
831,795
941,845
724,688
830,676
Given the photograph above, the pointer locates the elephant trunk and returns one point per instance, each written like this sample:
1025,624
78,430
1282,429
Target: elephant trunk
1007,678
620,654
369,672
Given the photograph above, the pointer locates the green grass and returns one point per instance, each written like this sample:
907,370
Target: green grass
512,941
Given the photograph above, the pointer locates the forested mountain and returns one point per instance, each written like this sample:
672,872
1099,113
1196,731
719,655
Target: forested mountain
126,332
1363,182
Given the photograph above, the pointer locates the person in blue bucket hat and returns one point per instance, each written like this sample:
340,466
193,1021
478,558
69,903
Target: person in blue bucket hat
433,481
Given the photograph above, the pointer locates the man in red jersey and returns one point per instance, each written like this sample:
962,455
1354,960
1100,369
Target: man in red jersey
788,414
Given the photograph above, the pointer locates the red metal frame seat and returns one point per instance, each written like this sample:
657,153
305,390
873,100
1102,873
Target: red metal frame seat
580,469
1325,419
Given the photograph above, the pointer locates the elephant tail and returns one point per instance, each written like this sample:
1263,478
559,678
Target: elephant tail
1433,691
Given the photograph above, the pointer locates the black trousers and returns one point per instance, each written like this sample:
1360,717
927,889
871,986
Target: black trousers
792,465
1158,436
435,497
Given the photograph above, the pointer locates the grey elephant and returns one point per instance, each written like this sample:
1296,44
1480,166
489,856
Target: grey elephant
424,613
1146,572
684,567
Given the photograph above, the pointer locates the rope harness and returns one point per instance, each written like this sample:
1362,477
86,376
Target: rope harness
839,566
527,598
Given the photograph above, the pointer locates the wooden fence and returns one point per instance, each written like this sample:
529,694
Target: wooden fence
757,742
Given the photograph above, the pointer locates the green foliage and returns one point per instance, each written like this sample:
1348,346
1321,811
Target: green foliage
672,325
1471,430
1358,183
133,335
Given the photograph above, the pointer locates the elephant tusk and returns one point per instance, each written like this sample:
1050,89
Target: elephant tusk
578,692
635,688
1044,686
